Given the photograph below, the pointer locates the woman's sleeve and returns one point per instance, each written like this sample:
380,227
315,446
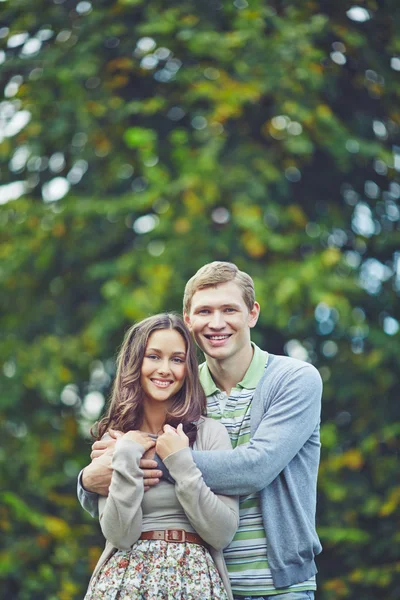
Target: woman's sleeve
214,517
120,513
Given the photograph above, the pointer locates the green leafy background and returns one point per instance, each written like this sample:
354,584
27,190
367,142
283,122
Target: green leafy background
140,140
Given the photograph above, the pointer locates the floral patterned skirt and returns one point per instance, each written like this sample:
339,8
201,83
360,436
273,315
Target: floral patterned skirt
158,570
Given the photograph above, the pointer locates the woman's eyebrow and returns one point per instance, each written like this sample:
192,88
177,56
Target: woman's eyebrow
159,351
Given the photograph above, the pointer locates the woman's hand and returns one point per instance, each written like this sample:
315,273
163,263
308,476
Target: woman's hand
140,438
171,441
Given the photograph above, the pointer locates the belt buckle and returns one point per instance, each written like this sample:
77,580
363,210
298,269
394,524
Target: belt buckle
174,535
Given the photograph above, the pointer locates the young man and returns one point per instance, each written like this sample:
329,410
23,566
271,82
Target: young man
270,406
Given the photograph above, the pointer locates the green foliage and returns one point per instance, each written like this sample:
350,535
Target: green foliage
159,136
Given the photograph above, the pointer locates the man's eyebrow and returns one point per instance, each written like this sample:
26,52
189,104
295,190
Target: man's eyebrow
229,305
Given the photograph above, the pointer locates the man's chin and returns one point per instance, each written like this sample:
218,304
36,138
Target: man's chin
215,351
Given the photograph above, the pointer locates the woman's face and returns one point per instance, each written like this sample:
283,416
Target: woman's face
163,369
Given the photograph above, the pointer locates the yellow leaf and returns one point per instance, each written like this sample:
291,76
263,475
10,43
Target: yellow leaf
352,459
57,527
5,525
323,110
297,215
65,374
59,230
94,555
374,358
182,225
43,541
330,257
98,110
120,64
193,202
253,245
190,20
391,504
336,585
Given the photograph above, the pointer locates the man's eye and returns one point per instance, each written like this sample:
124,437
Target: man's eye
204,311
230,310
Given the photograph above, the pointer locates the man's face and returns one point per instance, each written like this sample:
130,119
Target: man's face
220,320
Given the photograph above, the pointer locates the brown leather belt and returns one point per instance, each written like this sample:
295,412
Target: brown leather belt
173,535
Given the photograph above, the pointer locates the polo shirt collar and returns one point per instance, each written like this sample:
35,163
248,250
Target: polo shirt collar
250,379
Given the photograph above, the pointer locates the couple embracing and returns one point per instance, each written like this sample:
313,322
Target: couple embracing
204,478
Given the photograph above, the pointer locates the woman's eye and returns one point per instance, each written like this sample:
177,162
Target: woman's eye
152,356
179,361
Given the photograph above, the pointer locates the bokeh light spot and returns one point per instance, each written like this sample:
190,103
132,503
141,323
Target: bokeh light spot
329,348
156,247
146,44
293,174
55,189
390,326
359,14
145,224
220,215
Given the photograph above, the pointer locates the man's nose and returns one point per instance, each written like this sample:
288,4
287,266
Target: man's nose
217,320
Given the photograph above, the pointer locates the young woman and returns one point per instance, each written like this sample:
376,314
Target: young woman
165,543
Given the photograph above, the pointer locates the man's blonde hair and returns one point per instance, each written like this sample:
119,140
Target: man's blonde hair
215,273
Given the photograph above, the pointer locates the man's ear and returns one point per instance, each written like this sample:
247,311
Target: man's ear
254,314
186,318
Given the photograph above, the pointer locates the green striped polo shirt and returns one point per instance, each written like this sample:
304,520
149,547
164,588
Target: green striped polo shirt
246,556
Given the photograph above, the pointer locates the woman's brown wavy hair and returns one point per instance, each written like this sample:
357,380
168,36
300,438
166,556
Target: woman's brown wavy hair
125,409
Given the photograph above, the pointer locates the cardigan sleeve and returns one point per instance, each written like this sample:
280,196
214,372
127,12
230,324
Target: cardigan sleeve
292,416
120,512
214,517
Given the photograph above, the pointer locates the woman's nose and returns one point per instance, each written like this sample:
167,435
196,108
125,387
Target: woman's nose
163,366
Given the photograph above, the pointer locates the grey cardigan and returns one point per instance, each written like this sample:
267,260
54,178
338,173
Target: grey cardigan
214,517
281,462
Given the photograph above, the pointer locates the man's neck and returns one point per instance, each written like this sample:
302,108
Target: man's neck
227,373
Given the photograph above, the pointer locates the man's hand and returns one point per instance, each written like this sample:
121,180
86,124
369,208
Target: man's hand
96,477
99,447
151,474
171,441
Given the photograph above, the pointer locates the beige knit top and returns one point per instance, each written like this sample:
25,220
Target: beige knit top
189,504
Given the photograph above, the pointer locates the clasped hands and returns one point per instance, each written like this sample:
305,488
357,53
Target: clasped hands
167,443
96,477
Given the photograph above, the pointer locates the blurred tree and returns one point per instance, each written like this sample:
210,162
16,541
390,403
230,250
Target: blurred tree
139,141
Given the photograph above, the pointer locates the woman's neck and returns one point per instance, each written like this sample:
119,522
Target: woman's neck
153,417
